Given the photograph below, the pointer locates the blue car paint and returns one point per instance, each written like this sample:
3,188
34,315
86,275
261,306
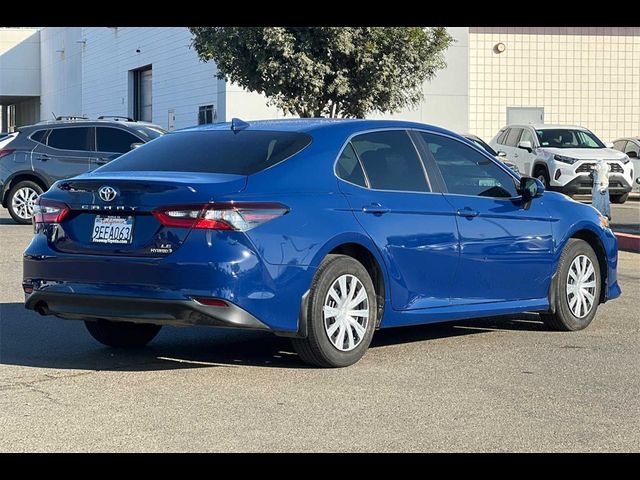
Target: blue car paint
436,265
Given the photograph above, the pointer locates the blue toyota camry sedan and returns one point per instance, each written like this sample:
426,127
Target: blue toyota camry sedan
315,229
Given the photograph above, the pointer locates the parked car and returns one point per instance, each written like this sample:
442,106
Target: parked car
318,230
631,147
562,158
38,155
499,155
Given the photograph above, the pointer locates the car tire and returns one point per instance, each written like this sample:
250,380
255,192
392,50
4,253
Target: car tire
569,316
19,200
122,334
333,339
619,198
540,172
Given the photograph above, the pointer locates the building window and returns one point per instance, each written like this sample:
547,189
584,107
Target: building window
206,114
142,96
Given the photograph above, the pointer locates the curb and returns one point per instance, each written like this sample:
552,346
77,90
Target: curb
628,242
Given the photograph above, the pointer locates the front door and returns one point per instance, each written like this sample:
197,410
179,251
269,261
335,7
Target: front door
506,247
413,227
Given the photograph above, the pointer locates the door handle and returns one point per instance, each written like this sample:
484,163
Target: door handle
468,212
516,155
102,161
44,157
375,208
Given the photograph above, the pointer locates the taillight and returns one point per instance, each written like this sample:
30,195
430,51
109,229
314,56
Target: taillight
49,211
239,216
6,151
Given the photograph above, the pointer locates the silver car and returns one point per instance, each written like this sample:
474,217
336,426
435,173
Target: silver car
631,146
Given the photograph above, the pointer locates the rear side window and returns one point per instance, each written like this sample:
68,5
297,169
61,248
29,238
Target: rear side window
212,151
73,138
39,136
348,167
114,140
391,161
513,137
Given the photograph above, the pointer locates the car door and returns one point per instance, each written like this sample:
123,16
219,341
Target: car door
506,246
64,153
111,142
414,228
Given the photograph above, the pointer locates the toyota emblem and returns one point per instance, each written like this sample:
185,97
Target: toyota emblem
107,193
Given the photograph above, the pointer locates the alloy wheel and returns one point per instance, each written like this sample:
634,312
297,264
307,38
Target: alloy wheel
23,202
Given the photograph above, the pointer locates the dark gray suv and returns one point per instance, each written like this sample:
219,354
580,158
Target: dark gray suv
38,155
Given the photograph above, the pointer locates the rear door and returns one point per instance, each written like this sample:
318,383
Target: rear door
65,152
111,142
506,247
510,146
413,227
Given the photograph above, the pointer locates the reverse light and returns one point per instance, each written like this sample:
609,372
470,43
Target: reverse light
6,151
49,211
564,159
626,159
240,216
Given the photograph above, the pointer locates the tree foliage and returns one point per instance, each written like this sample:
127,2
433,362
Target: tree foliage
327,71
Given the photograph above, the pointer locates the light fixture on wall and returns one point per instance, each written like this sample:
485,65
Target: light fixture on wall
499,47
83,42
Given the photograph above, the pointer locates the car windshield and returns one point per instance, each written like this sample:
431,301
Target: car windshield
150,132
568,138
483,145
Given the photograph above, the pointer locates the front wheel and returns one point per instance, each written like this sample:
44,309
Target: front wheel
577,288
619,198
122,334
541,174
341,314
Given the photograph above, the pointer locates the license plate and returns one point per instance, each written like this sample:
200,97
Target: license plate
112,230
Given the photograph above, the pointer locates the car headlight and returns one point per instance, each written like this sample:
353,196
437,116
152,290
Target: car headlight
563,159
626,159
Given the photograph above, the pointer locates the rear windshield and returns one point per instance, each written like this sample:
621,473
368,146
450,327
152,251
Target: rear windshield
241,153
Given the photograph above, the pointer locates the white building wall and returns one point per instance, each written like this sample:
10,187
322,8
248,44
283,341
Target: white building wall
446,97
19,62
61,71
180,81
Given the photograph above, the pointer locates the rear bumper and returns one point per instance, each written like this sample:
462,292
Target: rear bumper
73,306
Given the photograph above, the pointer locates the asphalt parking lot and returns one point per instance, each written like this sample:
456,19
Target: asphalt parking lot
500,384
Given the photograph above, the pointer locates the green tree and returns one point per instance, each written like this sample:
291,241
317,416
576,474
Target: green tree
327,71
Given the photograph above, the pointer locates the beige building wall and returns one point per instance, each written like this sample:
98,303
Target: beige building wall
584,76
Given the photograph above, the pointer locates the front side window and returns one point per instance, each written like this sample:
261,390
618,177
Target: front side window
514,137
391,161
632,148
567,138
114,140
72,138
468,172
348,167
223,151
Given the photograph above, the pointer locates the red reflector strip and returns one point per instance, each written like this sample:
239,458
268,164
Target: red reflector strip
6,151
211,302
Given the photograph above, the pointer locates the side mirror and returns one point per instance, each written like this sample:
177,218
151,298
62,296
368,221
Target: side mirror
136,145
530,188
638,180
632,154
526,145
502,154
608,145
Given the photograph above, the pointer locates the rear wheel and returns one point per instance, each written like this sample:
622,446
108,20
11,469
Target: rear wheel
578,286
21,201
619,198
541,173
122,334
341,314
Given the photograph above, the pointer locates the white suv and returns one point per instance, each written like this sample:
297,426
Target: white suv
562,156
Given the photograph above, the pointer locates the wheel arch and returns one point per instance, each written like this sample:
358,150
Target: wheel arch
19,177
593,239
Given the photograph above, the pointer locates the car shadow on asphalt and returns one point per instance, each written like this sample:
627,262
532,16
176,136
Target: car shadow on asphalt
28,339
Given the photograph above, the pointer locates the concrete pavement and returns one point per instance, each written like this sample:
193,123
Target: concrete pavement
500,384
